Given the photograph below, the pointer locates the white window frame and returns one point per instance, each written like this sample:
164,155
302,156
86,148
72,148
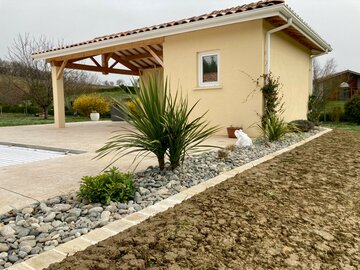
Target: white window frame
201,83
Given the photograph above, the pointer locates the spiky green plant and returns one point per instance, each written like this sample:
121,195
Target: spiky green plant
274,127
162,126
146,116
184,134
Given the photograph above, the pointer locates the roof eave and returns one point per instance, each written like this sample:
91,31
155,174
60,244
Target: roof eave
173,30
299,24
277,10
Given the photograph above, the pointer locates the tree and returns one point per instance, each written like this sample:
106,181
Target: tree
34,77
321,91
35,74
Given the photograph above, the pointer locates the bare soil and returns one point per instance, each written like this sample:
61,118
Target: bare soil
298,211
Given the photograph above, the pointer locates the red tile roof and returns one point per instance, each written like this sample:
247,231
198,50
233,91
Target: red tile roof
214,14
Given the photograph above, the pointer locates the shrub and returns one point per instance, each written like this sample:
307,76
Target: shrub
352,109
86,104
112,185
336,114
272,97
274,127
302,125
162,126
182,133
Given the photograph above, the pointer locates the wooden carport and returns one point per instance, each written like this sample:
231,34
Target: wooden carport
125,59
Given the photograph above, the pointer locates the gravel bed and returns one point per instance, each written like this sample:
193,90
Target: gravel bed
40,227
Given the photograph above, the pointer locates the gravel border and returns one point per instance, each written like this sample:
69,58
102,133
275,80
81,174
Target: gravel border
43,226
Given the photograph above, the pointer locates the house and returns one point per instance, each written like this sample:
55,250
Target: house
212,57
341,85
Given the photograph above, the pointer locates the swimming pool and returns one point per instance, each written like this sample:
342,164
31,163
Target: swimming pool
13,155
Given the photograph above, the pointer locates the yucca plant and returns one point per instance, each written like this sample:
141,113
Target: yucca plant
274,127
162,126
146,115
183,133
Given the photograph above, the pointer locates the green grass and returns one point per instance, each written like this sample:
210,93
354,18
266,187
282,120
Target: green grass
18,119
117,95
330,105
342,125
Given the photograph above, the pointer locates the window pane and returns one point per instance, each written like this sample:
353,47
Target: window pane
210,68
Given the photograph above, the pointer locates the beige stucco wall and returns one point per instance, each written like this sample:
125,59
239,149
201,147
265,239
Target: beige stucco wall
241,50
292,63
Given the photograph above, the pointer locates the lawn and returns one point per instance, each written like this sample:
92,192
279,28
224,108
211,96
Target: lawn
330,105
18,119
342,125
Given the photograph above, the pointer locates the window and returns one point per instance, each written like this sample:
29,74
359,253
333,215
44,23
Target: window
209,69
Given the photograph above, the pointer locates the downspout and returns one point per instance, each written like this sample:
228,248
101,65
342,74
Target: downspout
268,34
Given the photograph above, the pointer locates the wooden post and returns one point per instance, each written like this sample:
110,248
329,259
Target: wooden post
58,96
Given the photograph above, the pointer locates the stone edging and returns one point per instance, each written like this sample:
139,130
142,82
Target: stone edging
59,253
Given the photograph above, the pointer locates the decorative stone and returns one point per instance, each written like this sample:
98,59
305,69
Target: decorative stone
56,223
45,228
13,258
96,209
3,255
50,217
61,207
27,210
3,247
22,254
26,249
28,243
7,231
75,212
36,250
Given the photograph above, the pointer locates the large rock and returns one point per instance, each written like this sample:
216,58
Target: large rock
7,231
28,243
75,212
61,207
44,228
3,247
49,217
97,209
27,210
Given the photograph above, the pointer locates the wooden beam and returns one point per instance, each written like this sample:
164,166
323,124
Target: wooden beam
101,69
116,48
157,58
114,64
127,64
140,56
105,62
94,61
61,70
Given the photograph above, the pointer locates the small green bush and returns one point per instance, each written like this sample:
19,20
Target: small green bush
86,104
302,125
109,186
352,109
274,127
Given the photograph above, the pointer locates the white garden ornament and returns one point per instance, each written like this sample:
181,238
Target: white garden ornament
243,139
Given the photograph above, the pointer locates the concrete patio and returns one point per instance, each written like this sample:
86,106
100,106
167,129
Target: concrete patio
23,184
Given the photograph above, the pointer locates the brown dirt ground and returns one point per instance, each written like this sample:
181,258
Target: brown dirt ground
298,211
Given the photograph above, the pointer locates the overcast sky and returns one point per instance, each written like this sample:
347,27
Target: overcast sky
337,21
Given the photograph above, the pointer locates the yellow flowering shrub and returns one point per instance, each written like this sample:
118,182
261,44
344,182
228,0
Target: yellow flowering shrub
86,104
131,105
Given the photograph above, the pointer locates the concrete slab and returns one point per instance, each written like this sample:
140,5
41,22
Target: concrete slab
47,178
10,200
